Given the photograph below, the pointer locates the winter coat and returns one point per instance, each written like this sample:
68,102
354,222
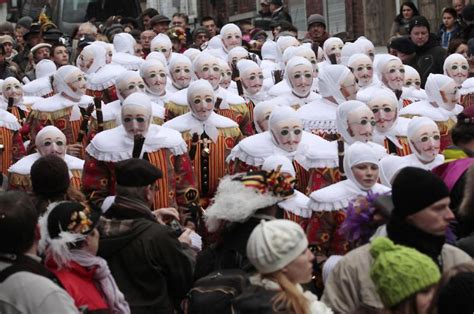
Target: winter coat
428,59
146,259
281,15
349,286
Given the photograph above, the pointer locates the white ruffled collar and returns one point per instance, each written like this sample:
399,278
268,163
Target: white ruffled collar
413,161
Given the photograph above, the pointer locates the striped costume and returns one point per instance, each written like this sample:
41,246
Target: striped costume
11,144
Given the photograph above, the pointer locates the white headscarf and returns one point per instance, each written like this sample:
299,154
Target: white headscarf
269,50
364,44
139,99
342,113
414,126
45,68
330,78
98,52
229,28
236,51
47,131
356,58
161,39
357,154
191,53
125,76
347,51
381,63
60,84
260,109
451,59
389,166
245,66
434,83
295,61
144,67
329,42
274,161
281,113
124,42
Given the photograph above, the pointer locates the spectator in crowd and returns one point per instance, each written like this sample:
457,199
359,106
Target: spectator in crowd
405,278
70,240
6,68
7,28
401,24
160,24
450,27
200,36
209,23
32,38
279,251
265,9
457,45
40,51
468,20
419,220
278,12
28,286
146,16
59,54
403,48
132,233
7,42
459,5
317,29
430,55
145,39
86,29
182,20
177,36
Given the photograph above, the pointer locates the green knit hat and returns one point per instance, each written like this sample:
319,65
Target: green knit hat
399,271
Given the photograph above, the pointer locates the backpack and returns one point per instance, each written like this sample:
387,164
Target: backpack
214,293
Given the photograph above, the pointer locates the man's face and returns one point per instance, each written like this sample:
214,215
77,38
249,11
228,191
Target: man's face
145,39
288,134
179,21
361,122
161,27
135,120
434,219
61,56
201,38
130,86
202,105
385,112
394,75
458,5
8,49
427,142
41,53
210,26
316,31
181,74
419,35
252,81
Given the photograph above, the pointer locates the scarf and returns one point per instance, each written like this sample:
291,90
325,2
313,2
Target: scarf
406,234
115,298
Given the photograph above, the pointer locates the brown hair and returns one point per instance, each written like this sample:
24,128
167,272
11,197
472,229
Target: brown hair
466,210
290,298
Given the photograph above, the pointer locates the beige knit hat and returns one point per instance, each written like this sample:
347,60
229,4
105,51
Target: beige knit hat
274,244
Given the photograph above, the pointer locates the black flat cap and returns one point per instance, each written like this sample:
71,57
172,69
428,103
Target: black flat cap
135,172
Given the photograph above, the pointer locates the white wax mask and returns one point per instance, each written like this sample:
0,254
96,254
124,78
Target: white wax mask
349,87
232,39
12,88
237,55
155,78
130,86
262,119
450,95
363,71
301,79
394,75
52,143
288,134
369,51
108,57
77,82
202,104
385,112
226,78
210,71
311,57
361,122
136,120
335,49
458,70
413,80
85,60
181,75
164,49
427,142
252,81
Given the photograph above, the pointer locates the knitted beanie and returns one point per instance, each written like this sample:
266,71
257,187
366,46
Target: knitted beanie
49,176
274,244
415,189
457,294
399,272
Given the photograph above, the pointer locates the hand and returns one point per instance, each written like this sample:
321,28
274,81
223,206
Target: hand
165,215
74,150
185,237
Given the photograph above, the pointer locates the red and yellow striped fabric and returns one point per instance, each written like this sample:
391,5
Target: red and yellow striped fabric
405,150
6,140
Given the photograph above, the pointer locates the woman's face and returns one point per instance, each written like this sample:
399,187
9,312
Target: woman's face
361,122
366,174
385,113
427,142
181,74
349,87
252,81
301,78
155,78
407,12
301,269
226,78
232,39
135,120
394,75
458,70
450,95
363,72
202,105
288,134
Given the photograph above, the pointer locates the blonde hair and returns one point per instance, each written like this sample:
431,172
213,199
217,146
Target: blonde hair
290,298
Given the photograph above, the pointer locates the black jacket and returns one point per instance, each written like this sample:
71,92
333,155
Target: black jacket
429,58
146,259
281,15
257,300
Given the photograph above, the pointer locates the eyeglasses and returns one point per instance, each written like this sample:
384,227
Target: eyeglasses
130,119
464,67
364,122
386,110
425,138
417,83
49,143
